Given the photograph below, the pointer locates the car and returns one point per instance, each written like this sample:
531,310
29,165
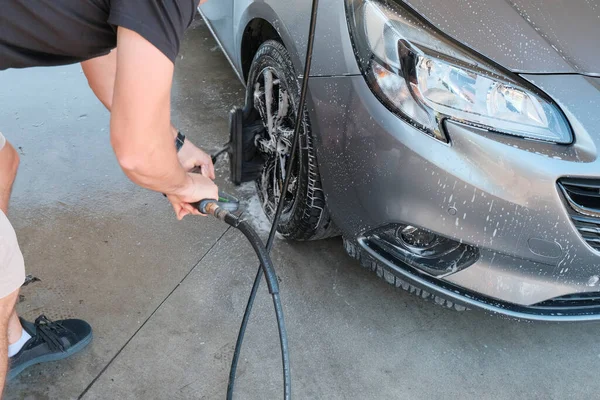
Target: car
453,144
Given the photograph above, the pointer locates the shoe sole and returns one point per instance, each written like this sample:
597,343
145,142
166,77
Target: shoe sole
13,373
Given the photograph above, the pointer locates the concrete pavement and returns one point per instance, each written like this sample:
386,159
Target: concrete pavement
166,298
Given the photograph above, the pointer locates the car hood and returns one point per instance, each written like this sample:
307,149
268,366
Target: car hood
525,36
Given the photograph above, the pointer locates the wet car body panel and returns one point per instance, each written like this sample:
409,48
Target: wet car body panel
480,189
526,36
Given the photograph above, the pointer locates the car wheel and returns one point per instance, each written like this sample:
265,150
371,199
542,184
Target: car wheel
275,90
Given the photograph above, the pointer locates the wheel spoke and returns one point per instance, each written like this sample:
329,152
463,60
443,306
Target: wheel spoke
265,188
259,94
276,191
268,77
282,166
282,108
285,135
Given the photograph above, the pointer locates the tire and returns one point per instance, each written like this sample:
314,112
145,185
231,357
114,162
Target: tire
305,215
370,263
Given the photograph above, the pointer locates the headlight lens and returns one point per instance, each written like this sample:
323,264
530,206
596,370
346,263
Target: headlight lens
424,78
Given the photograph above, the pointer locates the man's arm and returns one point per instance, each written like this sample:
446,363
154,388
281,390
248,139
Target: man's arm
101,73
141,129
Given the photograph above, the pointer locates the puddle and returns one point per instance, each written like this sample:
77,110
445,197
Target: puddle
252,208
253,212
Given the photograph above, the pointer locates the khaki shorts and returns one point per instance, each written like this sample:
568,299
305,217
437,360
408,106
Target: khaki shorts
12,266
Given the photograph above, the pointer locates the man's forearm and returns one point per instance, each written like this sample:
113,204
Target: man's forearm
152,164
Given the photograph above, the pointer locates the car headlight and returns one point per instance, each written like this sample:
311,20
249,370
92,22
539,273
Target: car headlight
425,77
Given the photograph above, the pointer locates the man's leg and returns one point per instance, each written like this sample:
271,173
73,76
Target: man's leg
9,163
7,311
25,343
12,271
101,73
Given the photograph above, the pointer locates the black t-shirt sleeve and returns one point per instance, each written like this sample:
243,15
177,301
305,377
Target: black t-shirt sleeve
161,22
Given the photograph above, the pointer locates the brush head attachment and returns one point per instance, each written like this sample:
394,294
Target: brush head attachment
245,161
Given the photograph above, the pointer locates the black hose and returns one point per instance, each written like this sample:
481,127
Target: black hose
271,277
287,388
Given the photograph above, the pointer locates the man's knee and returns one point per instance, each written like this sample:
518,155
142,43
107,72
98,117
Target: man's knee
7,306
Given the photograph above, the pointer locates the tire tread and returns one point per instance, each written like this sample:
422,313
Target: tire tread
368,262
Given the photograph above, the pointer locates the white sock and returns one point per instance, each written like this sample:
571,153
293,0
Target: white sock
18,345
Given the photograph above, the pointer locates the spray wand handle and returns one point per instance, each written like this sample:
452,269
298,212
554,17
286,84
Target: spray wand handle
226,202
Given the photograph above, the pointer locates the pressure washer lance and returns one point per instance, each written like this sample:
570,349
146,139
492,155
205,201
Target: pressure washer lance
223,209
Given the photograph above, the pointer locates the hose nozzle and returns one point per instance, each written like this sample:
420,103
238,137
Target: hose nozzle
219,208
208,207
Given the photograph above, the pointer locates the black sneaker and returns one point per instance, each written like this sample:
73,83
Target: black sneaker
50,341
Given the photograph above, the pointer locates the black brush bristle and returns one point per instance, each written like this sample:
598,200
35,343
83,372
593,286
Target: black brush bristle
253,159
245,161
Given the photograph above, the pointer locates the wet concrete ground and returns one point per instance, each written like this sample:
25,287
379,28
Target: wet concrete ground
165,298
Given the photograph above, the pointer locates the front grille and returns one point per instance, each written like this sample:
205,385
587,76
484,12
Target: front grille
583,199
580,301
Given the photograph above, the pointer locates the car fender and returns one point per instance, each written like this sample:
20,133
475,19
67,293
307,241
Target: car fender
262,10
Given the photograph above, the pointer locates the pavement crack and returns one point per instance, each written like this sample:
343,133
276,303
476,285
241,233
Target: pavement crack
150,316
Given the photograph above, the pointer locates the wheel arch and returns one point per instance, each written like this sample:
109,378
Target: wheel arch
259,23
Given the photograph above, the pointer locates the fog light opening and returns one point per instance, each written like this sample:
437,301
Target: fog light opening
423,249
417,238
423,243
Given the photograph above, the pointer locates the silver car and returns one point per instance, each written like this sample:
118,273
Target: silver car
453,144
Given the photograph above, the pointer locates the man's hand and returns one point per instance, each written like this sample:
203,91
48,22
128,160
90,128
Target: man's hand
191,157
198,188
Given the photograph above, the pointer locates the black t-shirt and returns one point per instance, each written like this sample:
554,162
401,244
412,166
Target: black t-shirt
58,32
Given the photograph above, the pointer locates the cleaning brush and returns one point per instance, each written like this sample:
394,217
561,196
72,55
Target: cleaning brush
245,161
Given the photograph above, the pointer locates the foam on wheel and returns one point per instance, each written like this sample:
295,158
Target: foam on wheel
275,89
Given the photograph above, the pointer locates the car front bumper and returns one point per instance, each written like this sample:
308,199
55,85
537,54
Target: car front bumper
491,191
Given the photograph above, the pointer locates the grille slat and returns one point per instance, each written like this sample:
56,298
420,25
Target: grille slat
575,192
588,229
583,183
572,301
584,219
583,198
